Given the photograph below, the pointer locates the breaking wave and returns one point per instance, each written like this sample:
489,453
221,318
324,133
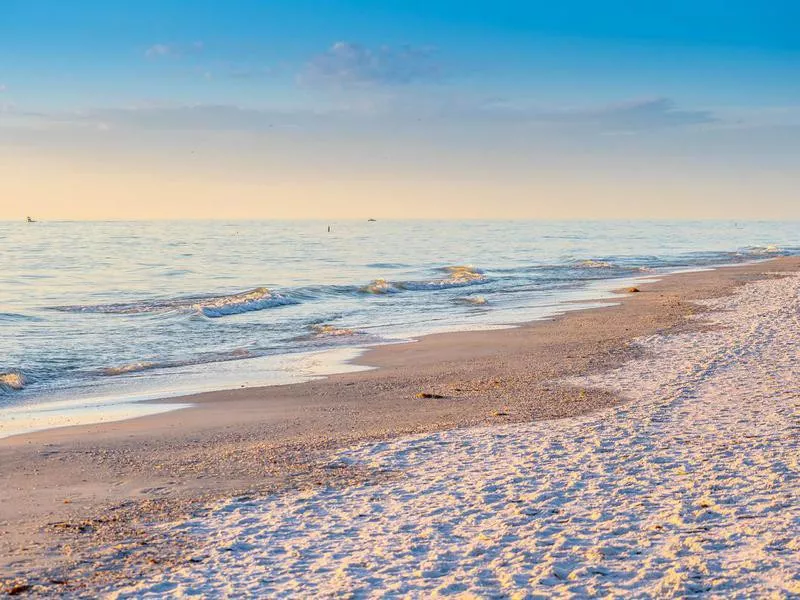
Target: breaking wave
761,250
208,357
210,306
325,330
472,300
131,368
257,299
12,381
380,286
458,276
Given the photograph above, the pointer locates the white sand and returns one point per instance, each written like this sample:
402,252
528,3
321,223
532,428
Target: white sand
690,488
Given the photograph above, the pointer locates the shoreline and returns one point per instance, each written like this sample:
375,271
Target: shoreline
113,405
261,440
125,404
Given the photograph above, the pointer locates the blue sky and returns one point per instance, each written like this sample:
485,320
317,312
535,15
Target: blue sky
377,101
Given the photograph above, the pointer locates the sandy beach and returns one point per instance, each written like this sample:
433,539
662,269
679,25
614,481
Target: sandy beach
649,447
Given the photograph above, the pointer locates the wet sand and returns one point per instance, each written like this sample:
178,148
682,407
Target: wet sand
69,495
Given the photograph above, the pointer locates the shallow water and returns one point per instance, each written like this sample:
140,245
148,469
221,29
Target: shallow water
109,309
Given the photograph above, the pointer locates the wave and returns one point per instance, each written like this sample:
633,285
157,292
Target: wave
761,250
134,367
257,299
463,275
325,330
208,357
13,380
595,264
459,276
380,286
472,300
210,306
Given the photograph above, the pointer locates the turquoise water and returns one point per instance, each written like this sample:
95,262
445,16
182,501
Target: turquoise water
126,309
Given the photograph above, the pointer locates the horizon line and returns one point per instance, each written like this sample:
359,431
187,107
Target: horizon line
400,219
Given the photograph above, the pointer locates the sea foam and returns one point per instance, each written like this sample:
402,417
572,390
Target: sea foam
13,380
325,330
257,299
458,276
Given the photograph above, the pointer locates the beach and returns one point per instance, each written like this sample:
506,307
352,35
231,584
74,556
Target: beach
390,300
645,446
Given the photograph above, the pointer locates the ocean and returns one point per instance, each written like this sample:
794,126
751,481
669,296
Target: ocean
96,314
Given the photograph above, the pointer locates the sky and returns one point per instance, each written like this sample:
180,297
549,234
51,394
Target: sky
150,109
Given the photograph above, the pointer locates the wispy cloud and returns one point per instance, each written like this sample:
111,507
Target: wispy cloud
632,116
162,50
193,117
625,118
203,117
348,64
158,50
195,59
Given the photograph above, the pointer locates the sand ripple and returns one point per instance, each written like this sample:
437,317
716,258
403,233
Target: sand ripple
689,489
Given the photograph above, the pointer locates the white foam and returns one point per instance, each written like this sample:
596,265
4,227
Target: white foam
690,488
128,399
257,299
12,380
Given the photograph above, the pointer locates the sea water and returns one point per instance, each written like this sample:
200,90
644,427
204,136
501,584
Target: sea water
94,314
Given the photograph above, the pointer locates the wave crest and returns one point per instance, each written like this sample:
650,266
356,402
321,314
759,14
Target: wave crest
257,299
13,380
130,368
380,286
760,250
464,274
595,264
459,275
210,306
325,330
472,300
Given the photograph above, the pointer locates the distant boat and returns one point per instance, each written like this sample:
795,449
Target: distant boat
29,220
371,220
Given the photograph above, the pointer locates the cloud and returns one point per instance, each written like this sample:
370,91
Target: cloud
192,117
636,115
174,50
349,64
3,88
157,50
625,118
760,116
202,117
